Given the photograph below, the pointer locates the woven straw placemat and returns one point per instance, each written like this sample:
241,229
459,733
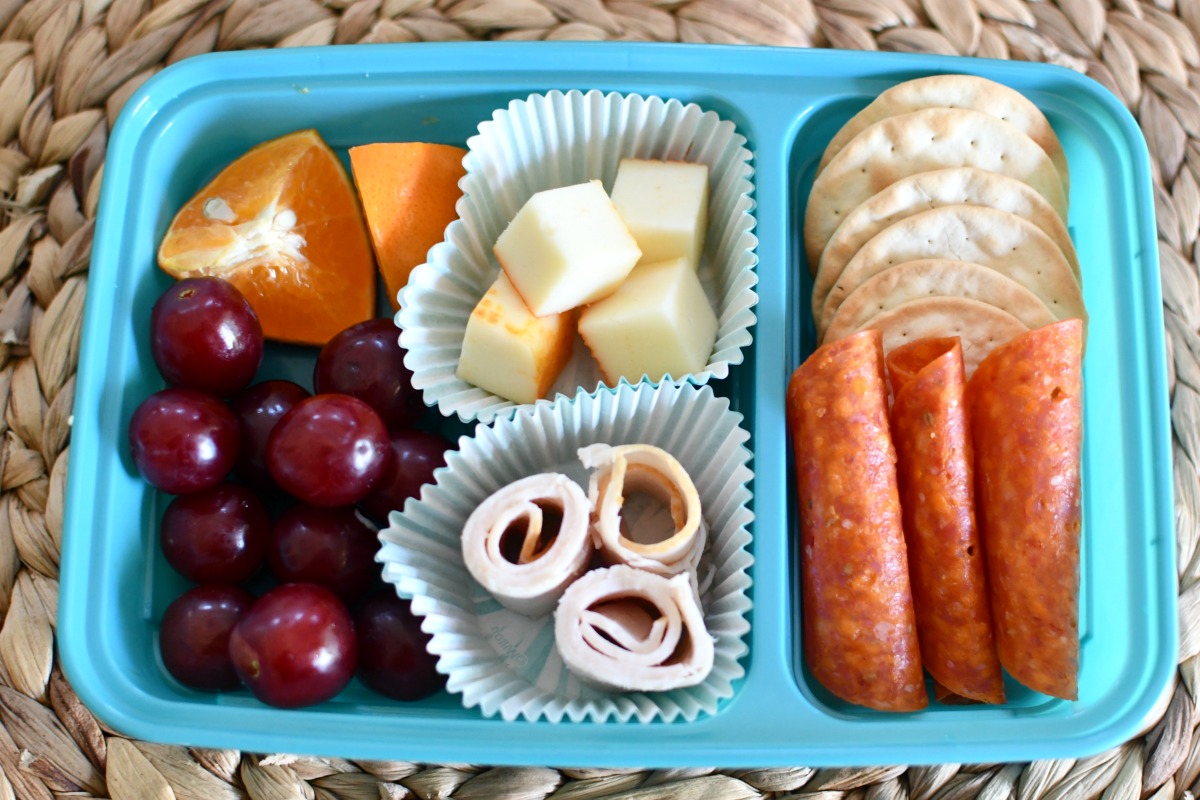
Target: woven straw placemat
66,68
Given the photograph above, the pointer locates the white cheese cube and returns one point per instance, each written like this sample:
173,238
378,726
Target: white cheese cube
659,322
511,353
565,248
665,205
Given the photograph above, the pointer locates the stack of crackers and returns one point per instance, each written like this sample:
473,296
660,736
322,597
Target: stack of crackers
940,210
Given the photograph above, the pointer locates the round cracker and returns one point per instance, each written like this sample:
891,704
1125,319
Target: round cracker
981,327
926,190
957,91
936,277
922,141
994,239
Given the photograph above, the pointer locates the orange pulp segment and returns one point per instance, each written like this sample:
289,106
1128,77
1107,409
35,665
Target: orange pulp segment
408,192
282,224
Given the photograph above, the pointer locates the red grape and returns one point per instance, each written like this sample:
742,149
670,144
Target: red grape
326,546
415,455
183,440
194,636
367,362
217,535
204,335
329,450
392,655
258,408
295,646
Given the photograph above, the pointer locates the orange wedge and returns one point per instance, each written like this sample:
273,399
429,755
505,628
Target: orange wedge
408,192
282,224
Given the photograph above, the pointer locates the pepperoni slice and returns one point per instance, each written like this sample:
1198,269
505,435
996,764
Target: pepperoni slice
1025,402
859,630
937,498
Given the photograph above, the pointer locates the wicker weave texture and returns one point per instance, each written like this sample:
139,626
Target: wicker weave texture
66,68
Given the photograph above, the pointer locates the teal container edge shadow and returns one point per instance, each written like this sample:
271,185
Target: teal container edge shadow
195,116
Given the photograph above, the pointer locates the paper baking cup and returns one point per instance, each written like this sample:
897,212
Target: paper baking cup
504,663
553,140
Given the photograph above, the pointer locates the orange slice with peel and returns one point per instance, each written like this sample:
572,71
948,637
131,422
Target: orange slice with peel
281,223
408,192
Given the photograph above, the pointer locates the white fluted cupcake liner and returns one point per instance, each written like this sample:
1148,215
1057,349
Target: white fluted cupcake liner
559,139
506,664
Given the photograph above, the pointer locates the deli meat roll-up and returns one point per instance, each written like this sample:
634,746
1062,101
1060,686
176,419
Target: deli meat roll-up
626,629
619,472
930,429
859,630
528,541
1025,402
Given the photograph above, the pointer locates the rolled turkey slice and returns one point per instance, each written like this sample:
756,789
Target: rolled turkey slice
664,547
528,541
625,629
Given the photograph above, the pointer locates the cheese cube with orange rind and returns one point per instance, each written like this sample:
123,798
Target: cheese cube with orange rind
510,352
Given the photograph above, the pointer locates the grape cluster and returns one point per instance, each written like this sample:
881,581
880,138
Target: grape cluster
233,452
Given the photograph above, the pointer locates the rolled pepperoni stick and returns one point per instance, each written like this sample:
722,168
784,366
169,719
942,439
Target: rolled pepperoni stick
1025,402
937,498
860,638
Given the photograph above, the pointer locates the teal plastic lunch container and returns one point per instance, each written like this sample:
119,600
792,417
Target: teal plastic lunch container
194,117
